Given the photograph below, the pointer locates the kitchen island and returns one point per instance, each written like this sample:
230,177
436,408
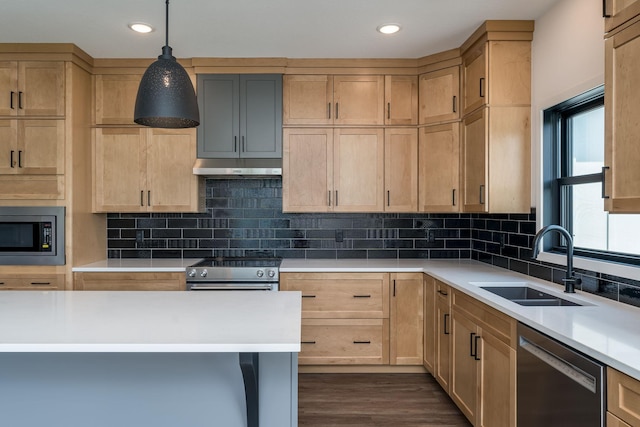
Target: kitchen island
148,358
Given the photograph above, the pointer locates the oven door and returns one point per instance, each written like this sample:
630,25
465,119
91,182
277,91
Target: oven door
232,286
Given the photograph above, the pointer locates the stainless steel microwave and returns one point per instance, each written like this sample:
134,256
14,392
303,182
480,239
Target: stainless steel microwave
32,235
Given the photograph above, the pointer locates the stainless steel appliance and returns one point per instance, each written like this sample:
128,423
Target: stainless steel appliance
557,386
234,273
32,235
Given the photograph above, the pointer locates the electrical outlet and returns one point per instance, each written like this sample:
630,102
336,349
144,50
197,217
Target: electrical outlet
339,236
431,237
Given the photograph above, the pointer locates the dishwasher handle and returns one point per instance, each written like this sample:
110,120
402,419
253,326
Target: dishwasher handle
571,371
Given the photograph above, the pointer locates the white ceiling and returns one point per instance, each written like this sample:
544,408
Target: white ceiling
258,28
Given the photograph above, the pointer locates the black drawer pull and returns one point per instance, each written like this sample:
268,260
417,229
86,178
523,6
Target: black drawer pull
471,342
446,330
362,342
476,355
40,283
1,283
308,296
362,296
441,292
307,342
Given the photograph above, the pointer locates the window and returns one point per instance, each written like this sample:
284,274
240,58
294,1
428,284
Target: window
573,171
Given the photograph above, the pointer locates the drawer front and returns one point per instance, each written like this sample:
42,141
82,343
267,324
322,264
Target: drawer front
335,295
344,342
32,283
623,397
160,281
488,318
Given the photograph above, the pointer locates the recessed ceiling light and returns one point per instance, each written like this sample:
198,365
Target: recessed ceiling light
388,28
140,27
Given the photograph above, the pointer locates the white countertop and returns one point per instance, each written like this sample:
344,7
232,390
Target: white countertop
139,265
606,330
224,321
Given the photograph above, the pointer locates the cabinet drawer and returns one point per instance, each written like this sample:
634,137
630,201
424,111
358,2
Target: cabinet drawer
623,397
500,325
344,342
32,282
338,295
129,282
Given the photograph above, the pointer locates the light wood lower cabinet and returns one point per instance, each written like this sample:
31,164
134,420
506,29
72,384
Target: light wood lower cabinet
34,282
359,318
623,399
406,318
129,281
429,339
483,362
442,325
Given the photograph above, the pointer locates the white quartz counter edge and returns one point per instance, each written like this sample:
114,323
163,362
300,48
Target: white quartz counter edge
606,330
137,265
111,321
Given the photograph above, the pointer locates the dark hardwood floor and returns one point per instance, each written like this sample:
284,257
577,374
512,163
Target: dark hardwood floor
372,400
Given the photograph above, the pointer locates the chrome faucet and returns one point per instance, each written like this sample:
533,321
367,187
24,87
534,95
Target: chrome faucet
569,281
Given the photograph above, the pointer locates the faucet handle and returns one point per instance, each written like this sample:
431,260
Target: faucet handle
570,283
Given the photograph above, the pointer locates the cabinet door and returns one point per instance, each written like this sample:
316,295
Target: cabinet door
474,67
619,12
443,336
439,168
464,365
358,170
613,421
406,319
171,185
440,96
359,100
401,100
119,170
116,98
400,170
40,147
623,396
8,147
218,101
8,88
261,116
474,162
41,88
429,355
622,130
497,380
307,172
308,100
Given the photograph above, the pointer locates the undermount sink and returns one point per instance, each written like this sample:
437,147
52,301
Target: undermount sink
525,295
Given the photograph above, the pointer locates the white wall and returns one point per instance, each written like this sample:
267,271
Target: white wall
567,59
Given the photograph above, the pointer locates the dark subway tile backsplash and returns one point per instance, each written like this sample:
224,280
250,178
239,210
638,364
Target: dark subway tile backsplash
244,218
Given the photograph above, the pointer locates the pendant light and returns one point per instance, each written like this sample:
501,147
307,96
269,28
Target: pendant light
166,98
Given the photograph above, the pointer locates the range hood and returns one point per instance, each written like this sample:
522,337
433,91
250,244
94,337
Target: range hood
238,167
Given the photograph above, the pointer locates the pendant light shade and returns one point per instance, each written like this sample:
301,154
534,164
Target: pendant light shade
166,98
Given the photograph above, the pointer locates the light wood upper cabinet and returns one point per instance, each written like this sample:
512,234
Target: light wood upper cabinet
358,170
333,100
622,130
145,170
31,147
32,88
496,73
115,98
406,319
618,12
439,168
440,96
400,170
495,161
401,100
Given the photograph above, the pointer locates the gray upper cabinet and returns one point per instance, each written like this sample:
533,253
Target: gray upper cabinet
241,115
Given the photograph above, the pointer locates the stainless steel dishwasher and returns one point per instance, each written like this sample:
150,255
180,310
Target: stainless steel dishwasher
557,386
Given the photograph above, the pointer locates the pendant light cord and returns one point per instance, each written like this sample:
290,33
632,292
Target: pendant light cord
167,26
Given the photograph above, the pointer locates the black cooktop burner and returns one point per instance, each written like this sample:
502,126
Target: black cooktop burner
239,262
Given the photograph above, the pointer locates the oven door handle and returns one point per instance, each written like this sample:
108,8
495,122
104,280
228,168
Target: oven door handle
230,287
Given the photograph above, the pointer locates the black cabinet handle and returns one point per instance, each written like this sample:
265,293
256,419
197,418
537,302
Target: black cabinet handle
441,292
394,288
11,100
11,162
336,197
446,316
604,190
388,110
471,343
362,296
307,342
308,296
337,110
329,198
362,342
235,144
476,356
328,110
243,145
388,198
141,198
481,195
20,100
455,103
605,14
481,87
19,158
453,197
40,283
149,198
